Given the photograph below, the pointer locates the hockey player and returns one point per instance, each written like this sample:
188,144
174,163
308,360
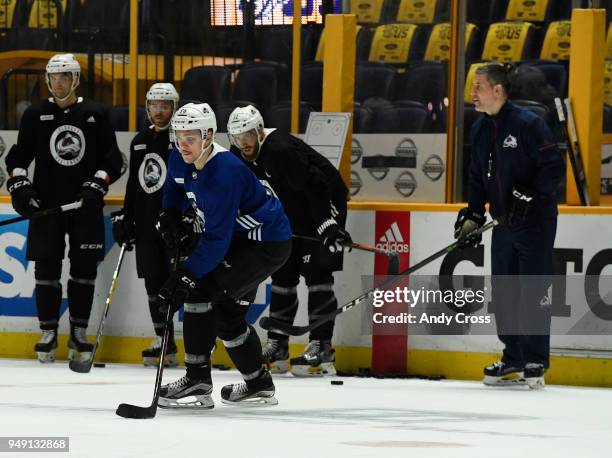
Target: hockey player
314,197
245,237
73,146
515,167
135,223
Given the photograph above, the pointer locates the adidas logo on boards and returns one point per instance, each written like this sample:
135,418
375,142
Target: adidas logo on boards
392,240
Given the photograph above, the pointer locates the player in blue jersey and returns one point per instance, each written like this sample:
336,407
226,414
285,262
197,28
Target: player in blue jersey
245,237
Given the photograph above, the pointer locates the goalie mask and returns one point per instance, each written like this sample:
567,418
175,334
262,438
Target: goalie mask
63,63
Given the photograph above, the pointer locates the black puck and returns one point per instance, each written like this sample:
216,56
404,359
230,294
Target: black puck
99,365
337,382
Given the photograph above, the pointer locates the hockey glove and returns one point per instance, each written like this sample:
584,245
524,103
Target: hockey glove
521,200
336,238
24,197
191,227
176,290
173,231
92,193
467,222
124,229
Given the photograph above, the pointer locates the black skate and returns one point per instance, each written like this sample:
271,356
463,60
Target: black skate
256,392
317,360
534,375
276,356
186,393
150,356
45,348
79,347
501,374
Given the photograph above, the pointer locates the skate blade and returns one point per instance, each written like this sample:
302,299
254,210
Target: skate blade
255,401
152,361
46,357
278,367
323,369
515,379
79,356
535,383
200,402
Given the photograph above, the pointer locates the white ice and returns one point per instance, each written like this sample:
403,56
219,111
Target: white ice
365,417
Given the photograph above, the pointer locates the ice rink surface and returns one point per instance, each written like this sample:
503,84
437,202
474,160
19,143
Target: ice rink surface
365,417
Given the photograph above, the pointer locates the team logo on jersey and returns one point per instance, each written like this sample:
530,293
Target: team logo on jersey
67,145
510,142
152,173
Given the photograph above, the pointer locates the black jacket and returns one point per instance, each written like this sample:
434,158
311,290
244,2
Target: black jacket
513,148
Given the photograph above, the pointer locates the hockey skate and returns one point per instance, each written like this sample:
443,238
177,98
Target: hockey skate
276,356
257,392
317,360
45,348
534,376
501,374
79,347
186,393
150,356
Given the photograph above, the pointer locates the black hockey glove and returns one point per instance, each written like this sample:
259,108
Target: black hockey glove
24,197
336,238
92,193
191,226
124,229
176,290
467,222
519,204
173,231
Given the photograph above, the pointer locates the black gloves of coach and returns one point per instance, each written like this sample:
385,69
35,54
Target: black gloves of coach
336,238
176,290
518,206
92,193
467,222
124,229
24,197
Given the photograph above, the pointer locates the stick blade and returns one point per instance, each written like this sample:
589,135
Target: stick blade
82,367
139,413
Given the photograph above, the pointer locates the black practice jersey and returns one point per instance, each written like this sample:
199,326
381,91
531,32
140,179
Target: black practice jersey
148,170
306,183
68,146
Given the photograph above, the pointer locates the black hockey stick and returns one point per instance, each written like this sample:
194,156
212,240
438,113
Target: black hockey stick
271,324
393,256
132,411
573,149
84,367
48,211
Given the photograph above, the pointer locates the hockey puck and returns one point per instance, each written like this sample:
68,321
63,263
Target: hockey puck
337,382
99,365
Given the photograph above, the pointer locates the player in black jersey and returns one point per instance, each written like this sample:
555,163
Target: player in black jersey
76,157
314,197
135,223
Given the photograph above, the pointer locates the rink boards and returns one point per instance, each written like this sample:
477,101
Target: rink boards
415,231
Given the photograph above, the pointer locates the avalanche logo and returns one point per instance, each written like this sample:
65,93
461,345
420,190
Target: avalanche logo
510,142
67,145
152,173
392,240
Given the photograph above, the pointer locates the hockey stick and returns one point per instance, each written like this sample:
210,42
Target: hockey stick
48,211
84,367
271,324
393,256
132,411
573,149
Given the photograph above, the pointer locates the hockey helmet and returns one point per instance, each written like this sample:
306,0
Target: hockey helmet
194,116
162,91
64,63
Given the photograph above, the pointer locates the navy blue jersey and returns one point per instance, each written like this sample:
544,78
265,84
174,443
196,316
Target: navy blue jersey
229,201
513,148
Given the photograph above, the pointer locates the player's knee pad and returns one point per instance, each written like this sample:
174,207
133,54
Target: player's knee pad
48,270
83,269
